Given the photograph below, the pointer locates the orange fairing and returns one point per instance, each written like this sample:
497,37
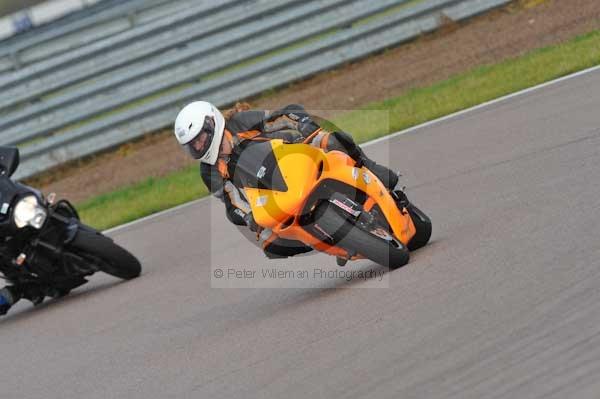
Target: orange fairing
298,164
303,167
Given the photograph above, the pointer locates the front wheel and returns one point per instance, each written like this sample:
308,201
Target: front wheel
108,256
422,225
389,253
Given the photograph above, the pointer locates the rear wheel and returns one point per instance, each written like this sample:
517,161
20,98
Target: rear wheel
332,225
110,257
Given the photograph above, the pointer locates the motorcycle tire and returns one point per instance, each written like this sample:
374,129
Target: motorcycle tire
422,225
344,234
114,260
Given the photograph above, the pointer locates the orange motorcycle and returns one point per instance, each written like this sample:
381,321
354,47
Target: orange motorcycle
329,202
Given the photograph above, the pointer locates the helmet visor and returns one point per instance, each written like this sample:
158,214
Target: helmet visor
200,144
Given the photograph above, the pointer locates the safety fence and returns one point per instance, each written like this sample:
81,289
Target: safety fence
46,12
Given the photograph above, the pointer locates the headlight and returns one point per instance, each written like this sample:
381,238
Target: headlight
28,211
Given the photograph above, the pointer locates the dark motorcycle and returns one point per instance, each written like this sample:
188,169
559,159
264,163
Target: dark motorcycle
44,247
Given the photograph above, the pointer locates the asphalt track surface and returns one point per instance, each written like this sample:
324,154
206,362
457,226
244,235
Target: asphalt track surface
504,303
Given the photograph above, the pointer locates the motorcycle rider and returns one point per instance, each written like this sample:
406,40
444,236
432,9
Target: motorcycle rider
216,140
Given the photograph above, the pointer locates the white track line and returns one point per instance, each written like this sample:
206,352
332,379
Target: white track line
482,105
391,136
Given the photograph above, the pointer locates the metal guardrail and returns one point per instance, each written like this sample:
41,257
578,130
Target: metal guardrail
219,52
211,32
39,14
90,25
291,42
165,29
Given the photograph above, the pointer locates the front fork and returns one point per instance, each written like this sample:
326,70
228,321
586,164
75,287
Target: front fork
401,199
48,257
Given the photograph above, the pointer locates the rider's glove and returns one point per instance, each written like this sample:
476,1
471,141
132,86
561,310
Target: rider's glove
251,223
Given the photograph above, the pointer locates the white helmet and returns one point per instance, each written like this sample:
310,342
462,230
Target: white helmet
199,129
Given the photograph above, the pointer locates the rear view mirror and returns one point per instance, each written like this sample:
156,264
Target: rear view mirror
9,160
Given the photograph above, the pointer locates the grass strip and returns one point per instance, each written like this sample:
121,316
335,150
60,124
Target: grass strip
142,199
469,89
374,120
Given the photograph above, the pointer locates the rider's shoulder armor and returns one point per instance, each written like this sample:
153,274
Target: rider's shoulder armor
245,121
